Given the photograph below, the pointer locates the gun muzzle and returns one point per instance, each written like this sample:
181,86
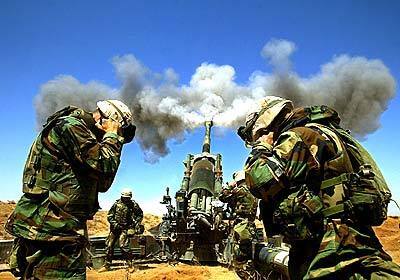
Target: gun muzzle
207,137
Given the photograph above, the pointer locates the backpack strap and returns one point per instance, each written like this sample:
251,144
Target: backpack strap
51,121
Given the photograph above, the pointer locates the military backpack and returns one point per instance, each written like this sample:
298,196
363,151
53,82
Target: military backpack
363,194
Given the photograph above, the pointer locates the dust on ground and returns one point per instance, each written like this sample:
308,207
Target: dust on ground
165,271
158,272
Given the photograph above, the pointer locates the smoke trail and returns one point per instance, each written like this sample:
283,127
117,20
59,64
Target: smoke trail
65,90
158,113
278,52
358,88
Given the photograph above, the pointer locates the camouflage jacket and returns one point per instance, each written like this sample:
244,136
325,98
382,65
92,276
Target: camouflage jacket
125,215
66,168
287,176
290,171
239,198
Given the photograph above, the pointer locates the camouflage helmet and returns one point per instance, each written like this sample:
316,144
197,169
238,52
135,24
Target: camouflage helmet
259,121
271,107
126,193
116,111
239,176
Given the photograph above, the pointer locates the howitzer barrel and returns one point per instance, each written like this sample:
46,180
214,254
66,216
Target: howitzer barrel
207,137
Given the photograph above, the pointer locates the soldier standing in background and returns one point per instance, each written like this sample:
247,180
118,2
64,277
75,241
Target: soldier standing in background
244,206
320,189
73,158
125,218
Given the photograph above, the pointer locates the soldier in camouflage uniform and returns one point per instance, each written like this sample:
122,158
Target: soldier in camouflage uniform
73,158
244,206
299,167
125,218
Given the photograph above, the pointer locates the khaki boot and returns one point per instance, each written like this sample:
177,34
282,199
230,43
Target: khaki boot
104,268
132,269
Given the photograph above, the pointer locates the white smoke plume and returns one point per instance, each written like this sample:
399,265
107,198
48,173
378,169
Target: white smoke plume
358,88
278,52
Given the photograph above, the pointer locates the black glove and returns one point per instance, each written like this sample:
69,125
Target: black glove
128,132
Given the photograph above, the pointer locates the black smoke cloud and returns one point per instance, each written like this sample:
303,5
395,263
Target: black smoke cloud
65,90
358,88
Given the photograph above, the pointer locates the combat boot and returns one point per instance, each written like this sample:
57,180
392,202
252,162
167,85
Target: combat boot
104,268
130,265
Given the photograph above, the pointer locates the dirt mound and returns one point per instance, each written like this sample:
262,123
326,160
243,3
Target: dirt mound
389,235
5,209
99,225
151,221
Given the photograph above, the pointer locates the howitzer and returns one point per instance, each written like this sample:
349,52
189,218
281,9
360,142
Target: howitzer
194,225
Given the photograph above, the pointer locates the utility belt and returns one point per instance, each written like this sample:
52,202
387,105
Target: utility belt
349,196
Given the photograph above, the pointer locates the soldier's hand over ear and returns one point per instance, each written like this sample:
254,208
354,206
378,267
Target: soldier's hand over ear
269,138
109,125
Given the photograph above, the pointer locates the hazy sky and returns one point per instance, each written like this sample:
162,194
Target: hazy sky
177,41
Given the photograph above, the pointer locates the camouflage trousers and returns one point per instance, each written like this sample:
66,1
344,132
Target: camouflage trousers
344,253
244,232
31,259
113,237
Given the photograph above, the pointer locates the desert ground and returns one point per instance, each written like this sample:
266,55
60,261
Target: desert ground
388,233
